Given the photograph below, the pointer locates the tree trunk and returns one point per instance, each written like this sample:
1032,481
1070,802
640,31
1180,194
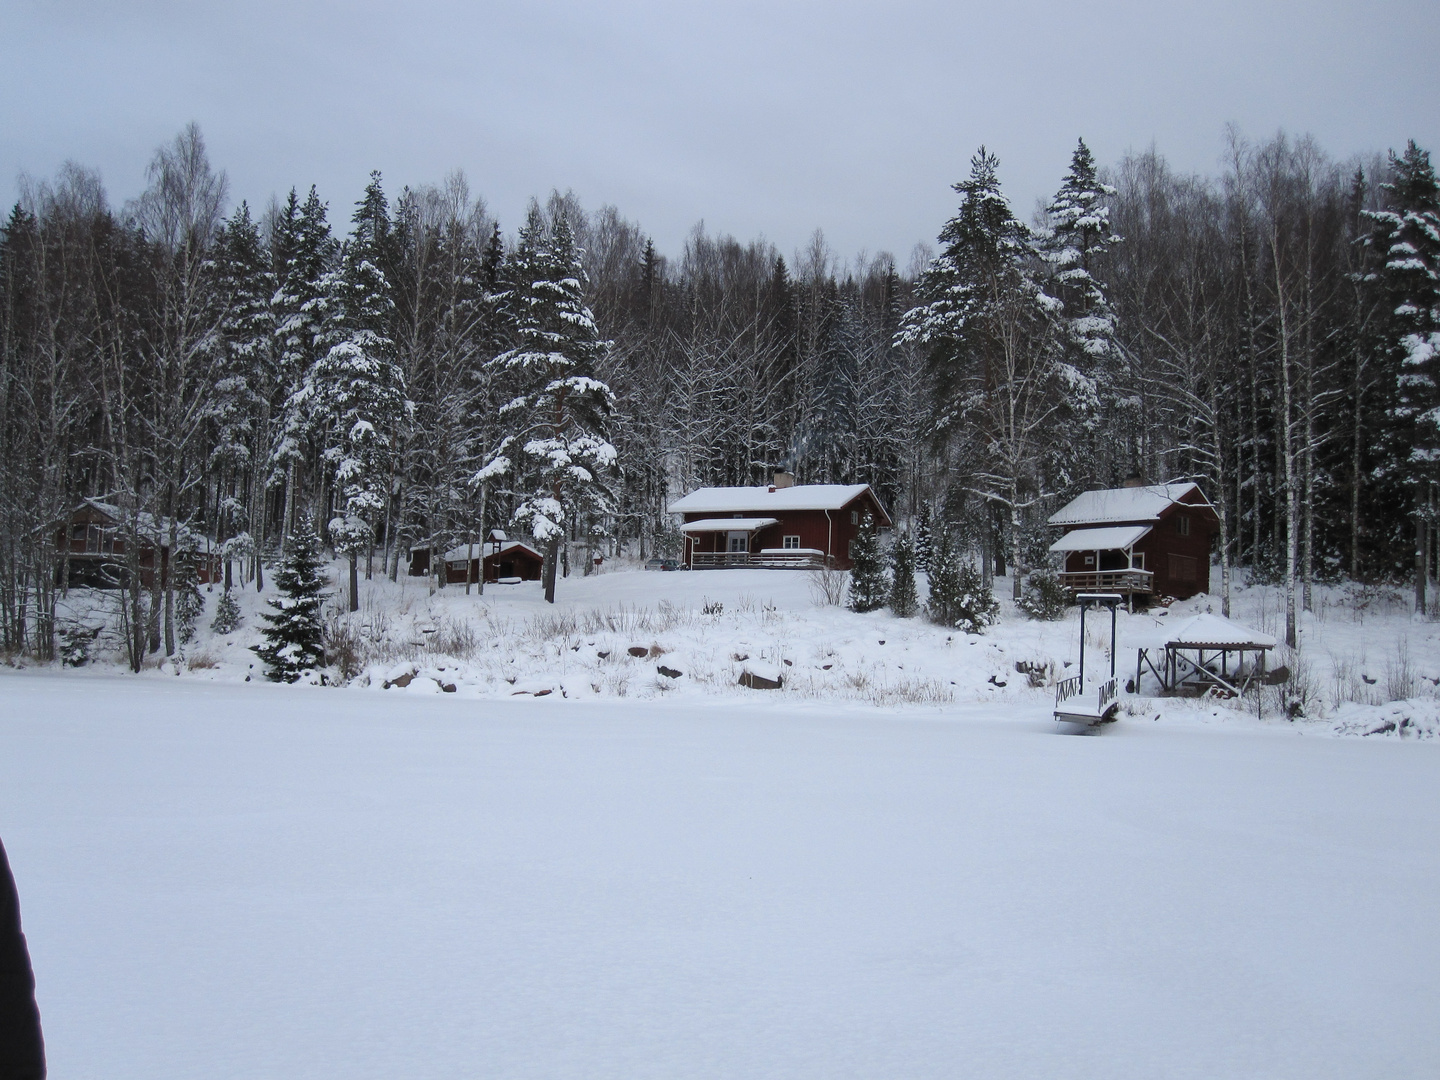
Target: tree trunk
354,581
552,553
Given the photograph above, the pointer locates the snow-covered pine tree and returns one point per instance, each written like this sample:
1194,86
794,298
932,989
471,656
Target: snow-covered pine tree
554,446
356,389
904,600
294,632
991,336
868,585
1407,233
1076,238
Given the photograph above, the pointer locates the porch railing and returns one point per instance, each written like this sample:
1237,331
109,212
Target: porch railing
1121,581
769,560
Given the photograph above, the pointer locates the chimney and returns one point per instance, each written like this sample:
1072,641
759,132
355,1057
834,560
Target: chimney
783,480
1134,480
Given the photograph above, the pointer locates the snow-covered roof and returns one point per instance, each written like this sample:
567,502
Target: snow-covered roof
146,524
1109,539
1122,504
1202,631
458,554
729,500
728,525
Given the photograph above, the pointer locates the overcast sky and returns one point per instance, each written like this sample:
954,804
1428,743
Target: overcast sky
769,118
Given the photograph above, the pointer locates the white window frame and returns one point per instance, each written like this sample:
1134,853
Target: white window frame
789,542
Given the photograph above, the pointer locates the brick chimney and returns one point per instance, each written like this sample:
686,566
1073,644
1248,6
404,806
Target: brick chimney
783,480
1134,480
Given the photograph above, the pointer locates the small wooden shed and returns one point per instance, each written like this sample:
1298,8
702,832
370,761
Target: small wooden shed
498,558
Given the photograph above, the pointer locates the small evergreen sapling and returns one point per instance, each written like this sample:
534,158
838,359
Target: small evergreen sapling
189,604
924,537
904,601
868,587
958,596
227,614
293,638
977,607
1044,597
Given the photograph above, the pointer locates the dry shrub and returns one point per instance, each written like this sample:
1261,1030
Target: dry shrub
201,661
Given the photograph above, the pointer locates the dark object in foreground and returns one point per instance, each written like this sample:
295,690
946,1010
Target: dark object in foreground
22,1047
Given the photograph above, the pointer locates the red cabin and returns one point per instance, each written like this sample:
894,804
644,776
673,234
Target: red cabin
94,537
1137,540
781,525
498,558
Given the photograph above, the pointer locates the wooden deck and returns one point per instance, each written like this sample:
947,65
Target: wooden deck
1125,582
765,560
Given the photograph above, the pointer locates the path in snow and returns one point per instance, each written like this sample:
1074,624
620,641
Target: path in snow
265,881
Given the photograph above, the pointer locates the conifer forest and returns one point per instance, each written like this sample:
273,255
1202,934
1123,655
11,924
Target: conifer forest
400,369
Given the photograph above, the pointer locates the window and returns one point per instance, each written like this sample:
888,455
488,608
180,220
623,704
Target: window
790,542
1090,558
1182,525
854,517
1137,560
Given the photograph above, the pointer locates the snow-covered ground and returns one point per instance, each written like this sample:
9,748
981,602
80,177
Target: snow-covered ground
236,881
1365,667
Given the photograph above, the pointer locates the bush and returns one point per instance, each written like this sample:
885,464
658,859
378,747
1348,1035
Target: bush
227,614
189,604
75,642
958,596
1044,598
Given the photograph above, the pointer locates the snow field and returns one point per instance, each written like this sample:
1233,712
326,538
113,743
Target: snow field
259,881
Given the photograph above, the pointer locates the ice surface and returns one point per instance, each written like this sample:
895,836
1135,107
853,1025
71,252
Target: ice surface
231,880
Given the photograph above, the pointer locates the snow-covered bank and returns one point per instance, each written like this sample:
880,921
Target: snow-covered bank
697,633
271,881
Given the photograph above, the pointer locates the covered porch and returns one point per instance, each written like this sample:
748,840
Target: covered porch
1105,560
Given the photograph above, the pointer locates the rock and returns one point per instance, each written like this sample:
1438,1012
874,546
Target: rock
789,663
758,682
638,650
738,657
542,693
448,687
668,672
995,680
882,641
603,654
826,667
402,682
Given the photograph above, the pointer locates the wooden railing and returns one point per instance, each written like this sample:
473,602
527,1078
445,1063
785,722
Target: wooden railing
1107,696
769,560
1065,689
1121,581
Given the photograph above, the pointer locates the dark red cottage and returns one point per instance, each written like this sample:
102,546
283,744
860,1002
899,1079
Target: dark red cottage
1137,540
783,524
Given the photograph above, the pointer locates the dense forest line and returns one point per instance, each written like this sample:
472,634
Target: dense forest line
222,376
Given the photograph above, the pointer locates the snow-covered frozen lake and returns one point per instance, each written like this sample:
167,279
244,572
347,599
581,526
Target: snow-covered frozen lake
257,881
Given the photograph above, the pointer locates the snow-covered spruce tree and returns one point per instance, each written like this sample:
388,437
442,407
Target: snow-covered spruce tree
1077,236
554,446
245,286
976,606
903,601
227,614
305,253
1044,597
294,632
356,388
943,600
924,535
992,337
868,585
189,603
1407,232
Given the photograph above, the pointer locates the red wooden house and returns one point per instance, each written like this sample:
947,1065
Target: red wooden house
498,558
92,545
783,524
1138,540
